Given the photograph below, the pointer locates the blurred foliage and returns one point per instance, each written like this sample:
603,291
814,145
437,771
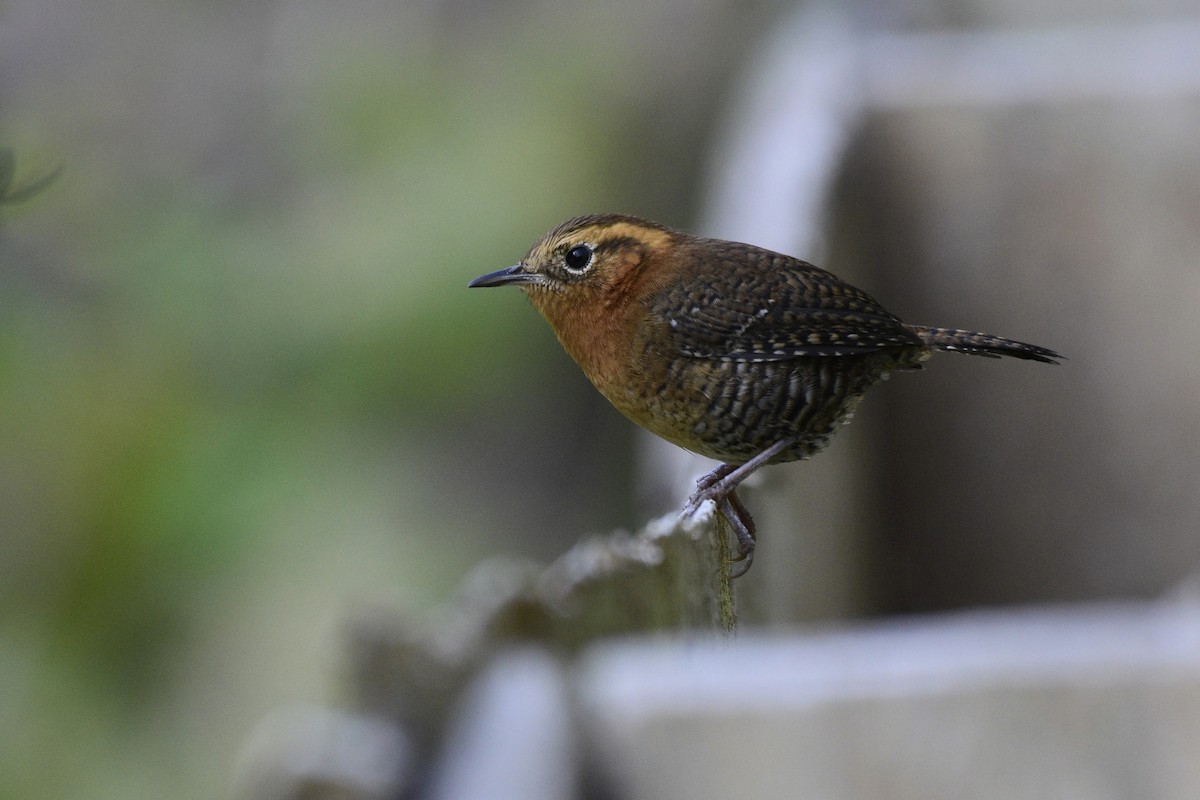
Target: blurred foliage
11,194
242,387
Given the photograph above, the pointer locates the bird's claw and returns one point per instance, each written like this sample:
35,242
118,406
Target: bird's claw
720,486
735,513
740,565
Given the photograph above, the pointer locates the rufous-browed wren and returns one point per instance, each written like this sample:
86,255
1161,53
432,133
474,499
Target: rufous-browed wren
731,351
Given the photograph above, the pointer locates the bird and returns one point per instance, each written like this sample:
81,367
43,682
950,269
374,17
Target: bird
738,353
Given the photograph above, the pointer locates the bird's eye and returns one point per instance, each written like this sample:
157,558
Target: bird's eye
578,258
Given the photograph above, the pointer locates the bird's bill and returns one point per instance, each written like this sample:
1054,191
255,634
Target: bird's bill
502,277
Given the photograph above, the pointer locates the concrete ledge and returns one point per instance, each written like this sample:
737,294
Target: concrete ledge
1095,702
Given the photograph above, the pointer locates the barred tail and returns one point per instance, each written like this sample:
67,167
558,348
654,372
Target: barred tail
982,344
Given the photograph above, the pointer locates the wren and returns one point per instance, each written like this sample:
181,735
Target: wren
738,353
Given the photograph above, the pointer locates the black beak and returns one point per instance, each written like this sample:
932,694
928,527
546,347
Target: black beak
502,277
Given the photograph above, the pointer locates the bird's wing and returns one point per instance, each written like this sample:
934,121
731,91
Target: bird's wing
784,308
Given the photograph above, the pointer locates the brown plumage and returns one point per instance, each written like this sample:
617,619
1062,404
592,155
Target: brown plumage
731,351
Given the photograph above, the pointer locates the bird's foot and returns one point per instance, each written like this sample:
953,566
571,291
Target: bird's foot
708,487
744,528
720,486
724,495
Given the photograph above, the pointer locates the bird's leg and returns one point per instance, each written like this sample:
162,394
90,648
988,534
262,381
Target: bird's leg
718,484
739,519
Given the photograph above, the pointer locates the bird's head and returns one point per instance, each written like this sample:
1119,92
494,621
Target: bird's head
587,264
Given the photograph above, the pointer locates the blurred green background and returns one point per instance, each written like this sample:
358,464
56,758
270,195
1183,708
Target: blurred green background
243,388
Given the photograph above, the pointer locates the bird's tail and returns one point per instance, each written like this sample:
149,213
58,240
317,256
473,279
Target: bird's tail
982,344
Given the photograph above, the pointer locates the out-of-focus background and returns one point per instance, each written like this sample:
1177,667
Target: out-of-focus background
243,388
244,392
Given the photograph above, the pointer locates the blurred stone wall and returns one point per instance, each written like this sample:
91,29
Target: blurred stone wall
1072,226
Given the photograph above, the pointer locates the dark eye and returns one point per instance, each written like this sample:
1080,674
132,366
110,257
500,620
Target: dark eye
578,257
